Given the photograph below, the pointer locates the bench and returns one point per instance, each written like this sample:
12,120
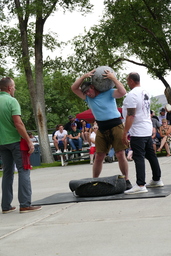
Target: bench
64,162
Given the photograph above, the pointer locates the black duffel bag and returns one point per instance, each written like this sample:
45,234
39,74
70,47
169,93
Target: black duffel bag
92,187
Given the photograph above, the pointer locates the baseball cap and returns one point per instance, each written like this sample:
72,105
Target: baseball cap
70,117
73,124
162,110
85,87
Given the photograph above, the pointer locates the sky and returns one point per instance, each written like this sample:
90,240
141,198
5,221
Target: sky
72,24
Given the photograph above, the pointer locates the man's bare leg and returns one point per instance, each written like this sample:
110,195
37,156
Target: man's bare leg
167,149
123,163
56,145
98,163
65,144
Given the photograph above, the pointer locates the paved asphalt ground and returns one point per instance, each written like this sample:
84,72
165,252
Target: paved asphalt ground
136,227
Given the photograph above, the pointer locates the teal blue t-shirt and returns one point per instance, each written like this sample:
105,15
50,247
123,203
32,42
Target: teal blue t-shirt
103,106
9,106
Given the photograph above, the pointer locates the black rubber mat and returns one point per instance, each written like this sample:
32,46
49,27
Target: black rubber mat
63,198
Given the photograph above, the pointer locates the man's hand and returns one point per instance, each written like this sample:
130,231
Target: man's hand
108,74
89,74
76,85
31,147
125,139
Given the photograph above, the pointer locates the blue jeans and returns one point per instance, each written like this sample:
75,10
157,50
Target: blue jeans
111,152
143,148
11,154
76,143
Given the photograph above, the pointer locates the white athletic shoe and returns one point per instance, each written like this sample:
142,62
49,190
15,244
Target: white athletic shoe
153,184
135,190
58,151
65,150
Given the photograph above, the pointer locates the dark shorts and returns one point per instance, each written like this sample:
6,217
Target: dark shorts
110,138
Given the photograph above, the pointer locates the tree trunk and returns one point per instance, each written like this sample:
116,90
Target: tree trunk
36,89
40,115
167,91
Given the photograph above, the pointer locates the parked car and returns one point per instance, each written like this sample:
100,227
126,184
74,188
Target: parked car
50,142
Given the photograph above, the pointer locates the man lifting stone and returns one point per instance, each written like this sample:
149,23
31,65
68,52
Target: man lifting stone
104,108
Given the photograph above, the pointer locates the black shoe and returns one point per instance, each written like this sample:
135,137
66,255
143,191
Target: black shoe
128,185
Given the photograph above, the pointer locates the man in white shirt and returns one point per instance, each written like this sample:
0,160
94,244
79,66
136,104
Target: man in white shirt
60,139
136,111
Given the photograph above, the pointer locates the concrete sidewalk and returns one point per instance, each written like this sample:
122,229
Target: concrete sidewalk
135,227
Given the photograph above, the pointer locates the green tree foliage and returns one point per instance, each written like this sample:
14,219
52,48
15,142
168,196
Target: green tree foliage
60,101
24,42
139,28
155,105
23,96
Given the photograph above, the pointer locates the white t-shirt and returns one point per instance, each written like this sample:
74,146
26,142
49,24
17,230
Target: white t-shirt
138,98
60,135
92,136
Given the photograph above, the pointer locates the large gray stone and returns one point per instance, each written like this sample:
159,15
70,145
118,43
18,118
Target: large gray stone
98,80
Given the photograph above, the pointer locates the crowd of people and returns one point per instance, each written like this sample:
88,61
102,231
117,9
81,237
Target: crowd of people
106,134
74,135
161,134
77,133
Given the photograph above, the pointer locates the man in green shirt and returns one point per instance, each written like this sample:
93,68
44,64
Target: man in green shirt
11,131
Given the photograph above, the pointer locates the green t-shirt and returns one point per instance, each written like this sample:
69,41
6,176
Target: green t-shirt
9,107
74,133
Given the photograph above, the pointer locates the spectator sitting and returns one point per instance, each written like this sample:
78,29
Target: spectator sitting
162,115
91,130
75,140
156,124
32,138
155,120
67,126
85,127
92,140
165,133
60,139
